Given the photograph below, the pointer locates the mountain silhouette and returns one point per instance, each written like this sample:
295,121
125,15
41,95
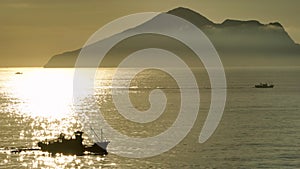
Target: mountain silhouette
239,43
191,16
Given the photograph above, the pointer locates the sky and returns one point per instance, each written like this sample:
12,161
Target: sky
32,31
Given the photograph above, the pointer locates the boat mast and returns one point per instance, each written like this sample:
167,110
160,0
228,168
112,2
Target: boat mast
101,137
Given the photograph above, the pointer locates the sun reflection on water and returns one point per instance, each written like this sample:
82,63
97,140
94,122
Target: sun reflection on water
37,104
45,160
43,92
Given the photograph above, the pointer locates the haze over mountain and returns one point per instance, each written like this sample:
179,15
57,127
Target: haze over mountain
239,43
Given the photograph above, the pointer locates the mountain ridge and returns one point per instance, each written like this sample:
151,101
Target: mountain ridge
231,37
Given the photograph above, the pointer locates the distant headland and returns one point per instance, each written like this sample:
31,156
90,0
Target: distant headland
239,43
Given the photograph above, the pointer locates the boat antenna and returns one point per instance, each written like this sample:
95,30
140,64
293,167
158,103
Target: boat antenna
96,134
101,134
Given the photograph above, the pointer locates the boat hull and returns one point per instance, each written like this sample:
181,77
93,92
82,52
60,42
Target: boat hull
68,147
73,146
97,148
259,86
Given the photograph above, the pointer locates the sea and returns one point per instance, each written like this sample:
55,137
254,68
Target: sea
260,127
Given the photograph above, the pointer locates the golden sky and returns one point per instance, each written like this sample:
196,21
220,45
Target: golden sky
32,31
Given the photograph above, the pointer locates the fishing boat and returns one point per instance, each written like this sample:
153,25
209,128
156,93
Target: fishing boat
73,146
264,85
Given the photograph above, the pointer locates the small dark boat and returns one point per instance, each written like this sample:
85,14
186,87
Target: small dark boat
264,85
18,73
73,146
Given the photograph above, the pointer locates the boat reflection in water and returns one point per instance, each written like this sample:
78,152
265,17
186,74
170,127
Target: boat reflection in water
73,146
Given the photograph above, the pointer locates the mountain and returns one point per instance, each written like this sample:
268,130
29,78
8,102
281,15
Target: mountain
239,43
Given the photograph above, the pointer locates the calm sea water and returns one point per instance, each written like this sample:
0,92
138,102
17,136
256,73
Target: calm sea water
259,129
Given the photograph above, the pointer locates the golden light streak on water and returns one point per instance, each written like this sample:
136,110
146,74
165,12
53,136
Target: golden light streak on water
44,92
